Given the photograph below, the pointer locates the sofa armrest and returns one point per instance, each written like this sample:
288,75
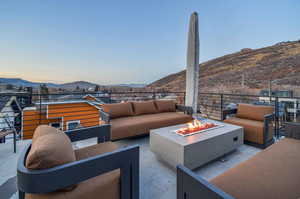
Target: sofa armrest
102,133
228,112
104,116
186,109
292,130
269,117
192,186
126,159
267,125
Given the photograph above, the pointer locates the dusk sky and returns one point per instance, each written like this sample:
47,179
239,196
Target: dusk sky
111,42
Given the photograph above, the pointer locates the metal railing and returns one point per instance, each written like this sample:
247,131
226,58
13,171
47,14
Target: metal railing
66,111
286,109
74,110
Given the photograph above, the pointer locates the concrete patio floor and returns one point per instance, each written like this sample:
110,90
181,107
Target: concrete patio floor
157,179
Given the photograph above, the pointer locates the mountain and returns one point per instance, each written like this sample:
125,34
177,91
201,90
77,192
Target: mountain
67,86
248,70
80,84
25,83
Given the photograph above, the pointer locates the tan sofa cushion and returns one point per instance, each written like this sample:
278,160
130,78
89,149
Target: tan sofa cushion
42,130
136,125
253,130
50,150
104,186
146,107
272,173
253,112
165,105
119,109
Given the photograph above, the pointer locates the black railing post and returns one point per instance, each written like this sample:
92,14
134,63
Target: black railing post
15,141
276,118
109,97
184,98
153,95
40,111
221,106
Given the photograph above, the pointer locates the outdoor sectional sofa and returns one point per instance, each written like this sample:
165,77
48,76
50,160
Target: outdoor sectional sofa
270,174
49,168
131,119
257,121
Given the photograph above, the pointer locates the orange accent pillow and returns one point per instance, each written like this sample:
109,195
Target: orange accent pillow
165,105
50,148
49,151
118,110
146,107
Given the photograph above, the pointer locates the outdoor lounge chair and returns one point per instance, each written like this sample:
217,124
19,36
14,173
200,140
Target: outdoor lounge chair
49,168
257,121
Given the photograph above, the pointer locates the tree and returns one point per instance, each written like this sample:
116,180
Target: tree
44,91
77,88
97,88
9,86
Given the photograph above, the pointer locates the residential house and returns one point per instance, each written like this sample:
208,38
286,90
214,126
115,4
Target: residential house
10,111
65,115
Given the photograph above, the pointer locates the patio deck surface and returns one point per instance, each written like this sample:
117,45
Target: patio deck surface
157,179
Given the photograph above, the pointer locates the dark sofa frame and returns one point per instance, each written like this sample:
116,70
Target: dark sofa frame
126,159
186,109
192,186
267,120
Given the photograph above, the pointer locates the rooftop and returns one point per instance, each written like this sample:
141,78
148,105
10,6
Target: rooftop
3,101
157,179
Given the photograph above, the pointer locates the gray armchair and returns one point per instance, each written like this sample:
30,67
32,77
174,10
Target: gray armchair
95,167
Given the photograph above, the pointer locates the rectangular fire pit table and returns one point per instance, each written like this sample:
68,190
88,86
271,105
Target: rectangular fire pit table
195,150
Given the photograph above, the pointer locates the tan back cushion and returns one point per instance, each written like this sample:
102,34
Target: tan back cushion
253,112
50,150
42,130
118,110
147,107
165,105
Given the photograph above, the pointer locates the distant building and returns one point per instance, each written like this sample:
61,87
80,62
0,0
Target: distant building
280,93
284,97
24,98
10,111
99,97
2,87
64,114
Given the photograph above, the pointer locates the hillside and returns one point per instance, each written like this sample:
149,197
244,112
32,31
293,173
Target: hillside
80,84
24,83
17,82
279,63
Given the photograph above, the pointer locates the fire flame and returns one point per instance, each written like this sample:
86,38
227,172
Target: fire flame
195,126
